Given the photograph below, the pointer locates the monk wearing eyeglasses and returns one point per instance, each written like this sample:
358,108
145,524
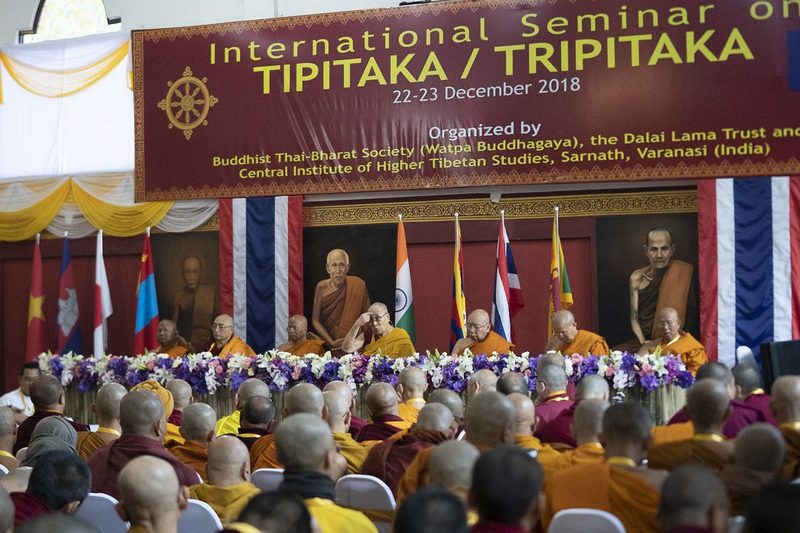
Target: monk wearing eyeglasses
386,339
225,342
480,338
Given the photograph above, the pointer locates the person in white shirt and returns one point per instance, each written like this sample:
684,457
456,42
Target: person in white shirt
19,400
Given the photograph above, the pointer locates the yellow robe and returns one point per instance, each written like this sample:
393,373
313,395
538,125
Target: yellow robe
173,435
416,475
394,344
89,442
227,502
544,452
690,351
583,454
408,411
584,343
332,518
264,453
307,346
354,452
228,425
492,342
235,345
791,462
671,433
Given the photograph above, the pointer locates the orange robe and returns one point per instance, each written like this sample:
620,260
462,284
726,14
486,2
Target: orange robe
491,343
306,346
791,462
394,344
671,433
175,351
193,454
416,475
339,310
89,442
264,453
597,485
690,351
544,452
584,343
713,455
235,345
584,454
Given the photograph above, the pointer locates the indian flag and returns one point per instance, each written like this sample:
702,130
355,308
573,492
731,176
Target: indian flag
403,296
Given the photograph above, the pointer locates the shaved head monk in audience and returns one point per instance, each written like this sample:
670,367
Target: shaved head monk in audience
301,342
786,407
388,340
106,407
568,339
551,388
618,485
8,432
452,401
513,382
758,454
750,391
256,419
47,396
451,465
668,336
172,434
483,380
356,423
250,388
225,342
198,431
228,488
741,415
181,397
693,499
480,338
591,387
273,512
151,497
708,405
313,466
411,388
587,430
337,403
525,420
338,301
142,420
382,402
169,342
389,459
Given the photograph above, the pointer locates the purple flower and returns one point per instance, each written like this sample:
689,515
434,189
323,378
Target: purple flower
649,382
684,379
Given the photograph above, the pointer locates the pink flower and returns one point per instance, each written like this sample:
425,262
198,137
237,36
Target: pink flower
218,369
647,367
296,372
610,371
151,364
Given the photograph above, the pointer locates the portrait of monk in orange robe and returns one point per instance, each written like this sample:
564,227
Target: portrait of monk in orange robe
194,305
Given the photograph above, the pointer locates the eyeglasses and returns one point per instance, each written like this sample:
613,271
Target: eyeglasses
476,326
220,326
377,318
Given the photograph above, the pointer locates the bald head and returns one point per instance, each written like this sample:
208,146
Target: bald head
413,383
197,422
181,392
490,419
587,424
759,447
257,412
451,465
551,376
786,399
512,382
747,378
592,387
338,409
524,413
708,404
563,318
303,398
46,392
449,399
667,325
250,388
626,424
483,380
715,370
435,417
109,397
222,329
7,423
141,413
6,512
297,328
692,495
381,399
478,325
303,442
228,462
148,487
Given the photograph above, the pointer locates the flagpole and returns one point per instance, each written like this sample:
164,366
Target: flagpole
558,259
38,236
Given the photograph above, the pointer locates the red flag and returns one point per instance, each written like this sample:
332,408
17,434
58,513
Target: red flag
36,322
146,328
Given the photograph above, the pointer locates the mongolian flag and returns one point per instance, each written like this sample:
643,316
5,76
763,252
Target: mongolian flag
36,323
508,298
144,336
403,295
69,329
560,290
458,317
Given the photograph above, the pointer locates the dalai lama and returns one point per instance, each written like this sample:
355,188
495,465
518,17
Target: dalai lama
387,340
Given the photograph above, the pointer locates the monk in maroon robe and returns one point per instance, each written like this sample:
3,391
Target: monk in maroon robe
382,401
749,389
47,396
551,389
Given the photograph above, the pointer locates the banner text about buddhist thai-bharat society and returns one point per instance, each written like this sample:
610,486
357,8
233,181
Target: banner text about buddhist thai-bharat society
458,94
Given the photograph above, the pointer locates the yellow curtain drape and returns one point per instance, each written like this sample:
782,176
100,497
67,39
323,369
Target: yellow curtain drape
118,220
52,83
25,223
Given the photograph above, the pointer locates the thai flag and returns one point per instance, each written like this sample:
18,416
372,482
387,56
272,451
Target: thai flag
69,328
508,298
102,300
749,237
261,266
146,328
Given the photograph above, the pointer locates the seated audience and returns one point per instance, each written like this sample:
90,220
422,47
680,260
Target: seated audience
483,380
587,430
513,382
8,433
786,407
150,495
60,522
356,423
757,460
381,400
172,432
558,430
750,390
274,512
52,433
250,388
693,499
106,407
197,428
337,402
181,396
411,388
431,510
256,419
450,468
551,389
525,420
452,401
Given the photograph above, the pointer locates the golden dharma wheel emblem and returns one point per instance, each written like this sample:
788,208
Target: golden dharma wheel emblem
187,103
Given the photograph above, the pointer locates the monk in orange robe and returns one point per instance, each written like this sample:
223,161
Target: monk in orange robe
169,342
672,433
264,453
301,342
106,407
411,387
197,429
386,339
672,340
225,342
480,338
568,339
786,406
338,301
587,428
525,419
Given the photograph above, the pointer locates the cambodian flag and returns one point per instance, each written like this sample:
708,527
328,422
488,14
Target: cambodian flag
69,329
261,266
144,336
749,234
508,298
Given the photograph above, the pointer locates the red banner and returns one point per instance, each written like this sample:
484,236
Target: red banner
468,93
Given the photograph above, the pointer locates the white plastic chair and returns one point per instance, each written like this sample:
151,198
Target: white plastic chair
267,479
199,517
22,453
99,510
736,524
366,493
594,520
3,470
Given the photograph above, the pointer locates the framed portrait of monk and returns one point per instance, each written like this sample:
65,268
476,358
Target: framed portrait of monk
186,266
645,263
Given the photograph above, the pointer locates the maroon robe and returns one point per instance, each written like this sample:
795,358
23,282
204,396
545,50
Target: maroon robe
25,430
742,415
356,425
379,429
760,401
107,462
558,429
175,417
550,408
27,507
390,459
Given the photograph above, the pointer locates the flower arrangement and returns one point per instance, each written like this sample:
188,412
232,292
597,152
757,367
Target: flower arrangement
280,370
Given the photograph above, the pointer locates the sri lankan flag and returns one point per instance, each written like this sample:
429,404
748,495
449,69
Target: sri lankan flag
560,290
